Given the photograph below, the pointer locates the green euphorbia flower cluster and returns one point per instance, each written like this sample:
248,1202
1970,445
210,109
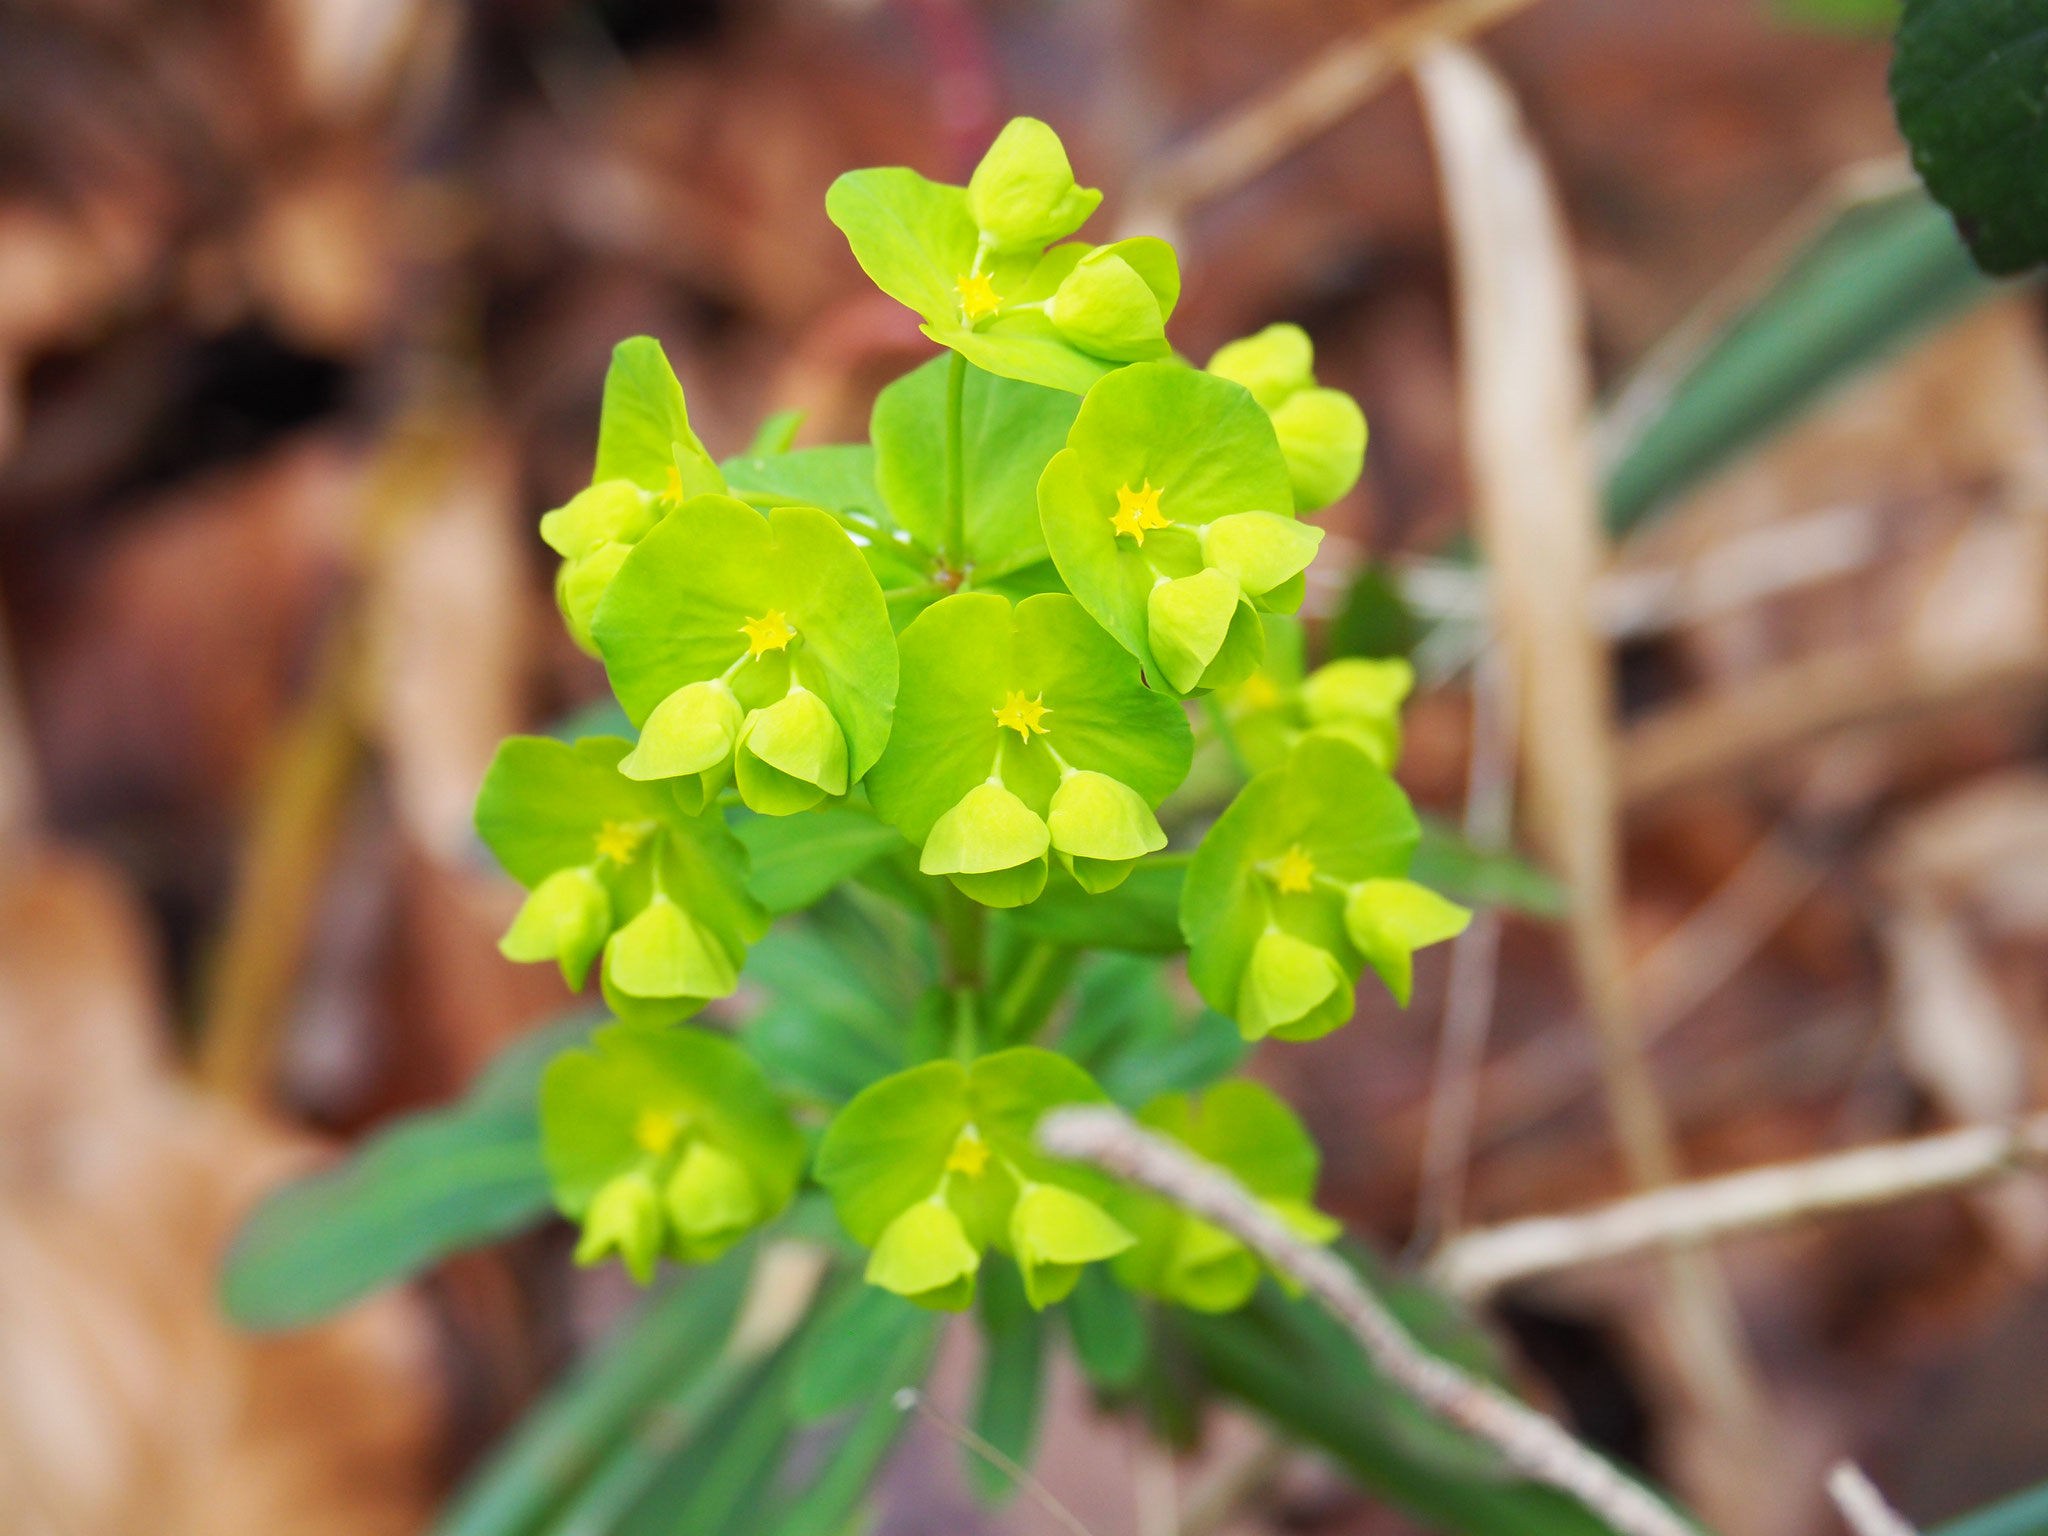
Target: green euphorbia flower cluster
952,664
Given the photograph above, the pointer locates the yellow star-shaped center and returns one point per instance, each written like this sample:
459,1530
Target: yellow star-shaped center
969,1155
770,632
620,841
977,296
1023,715
1295,874
1138,510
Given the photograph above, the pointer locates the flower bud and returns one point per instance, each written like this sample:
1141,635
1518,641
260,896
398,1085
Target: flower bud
791,754
581,583
624,1218
924,1255
612,511
1322,437
1359,699
1187,621
1291,989
664,952
1023,195
690,731
1053,1232
1273,364
566,919
1390,919
1260,549
1116,301
711,1201
991,845
1208,1269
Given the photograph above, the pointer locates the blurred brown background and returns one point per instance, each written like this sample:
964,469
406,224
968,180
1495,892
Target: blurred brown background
304,310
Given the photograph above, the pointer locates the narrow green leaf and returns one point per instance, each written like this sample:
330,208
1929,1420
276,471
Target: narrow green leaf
1107,1325
1445,862
797,859
1141,916
1007,1400
857,1337
429,1185
667,1347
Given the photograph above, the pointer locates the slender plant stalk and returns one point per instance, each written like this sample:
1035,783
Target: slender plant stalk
1534,1444
956,476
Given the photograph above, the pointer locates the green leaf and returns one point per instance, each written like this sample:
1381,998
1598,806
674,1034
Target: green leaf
1010,1391
796,859
1141,915
888,1149
773,602
1137,1040
1109,1332
858,1334
914,238
1445,862
1841,15
644,434
429,1185
1882,272
671,1342
1157,454
1278,865
544,803
776,433
1970,84
1008,431
835,1020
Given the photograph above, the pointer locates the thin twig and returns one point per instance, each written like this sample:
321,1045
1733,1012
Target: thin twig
1535,1445
1480,1262
1310,102
910,1398
1863,1508
1475,955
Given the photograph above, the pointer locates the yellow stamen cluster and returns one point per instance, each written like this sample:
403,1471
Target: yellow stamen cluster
770,632
1138,510
977,296
620,841
1295,874
656,1132
969,1155
1023,715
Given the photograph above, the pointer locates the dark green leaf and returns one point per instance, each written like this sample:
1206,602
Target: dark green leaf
1007,1400
1107,1326
2024,1514
857,1336
1445,862
1142,915
427,1186
1970,85
1374,621
797,859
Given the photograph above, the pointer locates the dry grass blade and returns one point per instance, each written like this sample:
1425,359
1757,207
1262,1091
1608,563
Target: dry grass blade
1333,85
1527,402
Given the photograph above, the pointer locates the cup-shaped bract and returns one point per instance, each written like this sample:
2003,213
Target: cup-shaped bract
781,611
1000,707
648,461
1158,454
1053,1233
566,918
676,916
1360,699
1022,196
1321,431
1263,906
681,1119
1390,919
1240,1126
928,1167
1116,301
1100,828
986,291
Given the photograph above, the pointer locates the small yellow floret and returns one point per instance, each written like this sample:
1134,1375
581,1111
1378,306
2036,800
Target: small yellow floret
969,1155
1023,715
656,1132
1259,691
620,841
1295,874
1138,510
977,296
675,483
770,632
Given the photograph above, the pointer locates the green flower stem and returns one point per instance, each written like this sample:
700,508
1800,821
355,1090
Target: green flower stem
1026,984
963,925
1220,723
956,477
